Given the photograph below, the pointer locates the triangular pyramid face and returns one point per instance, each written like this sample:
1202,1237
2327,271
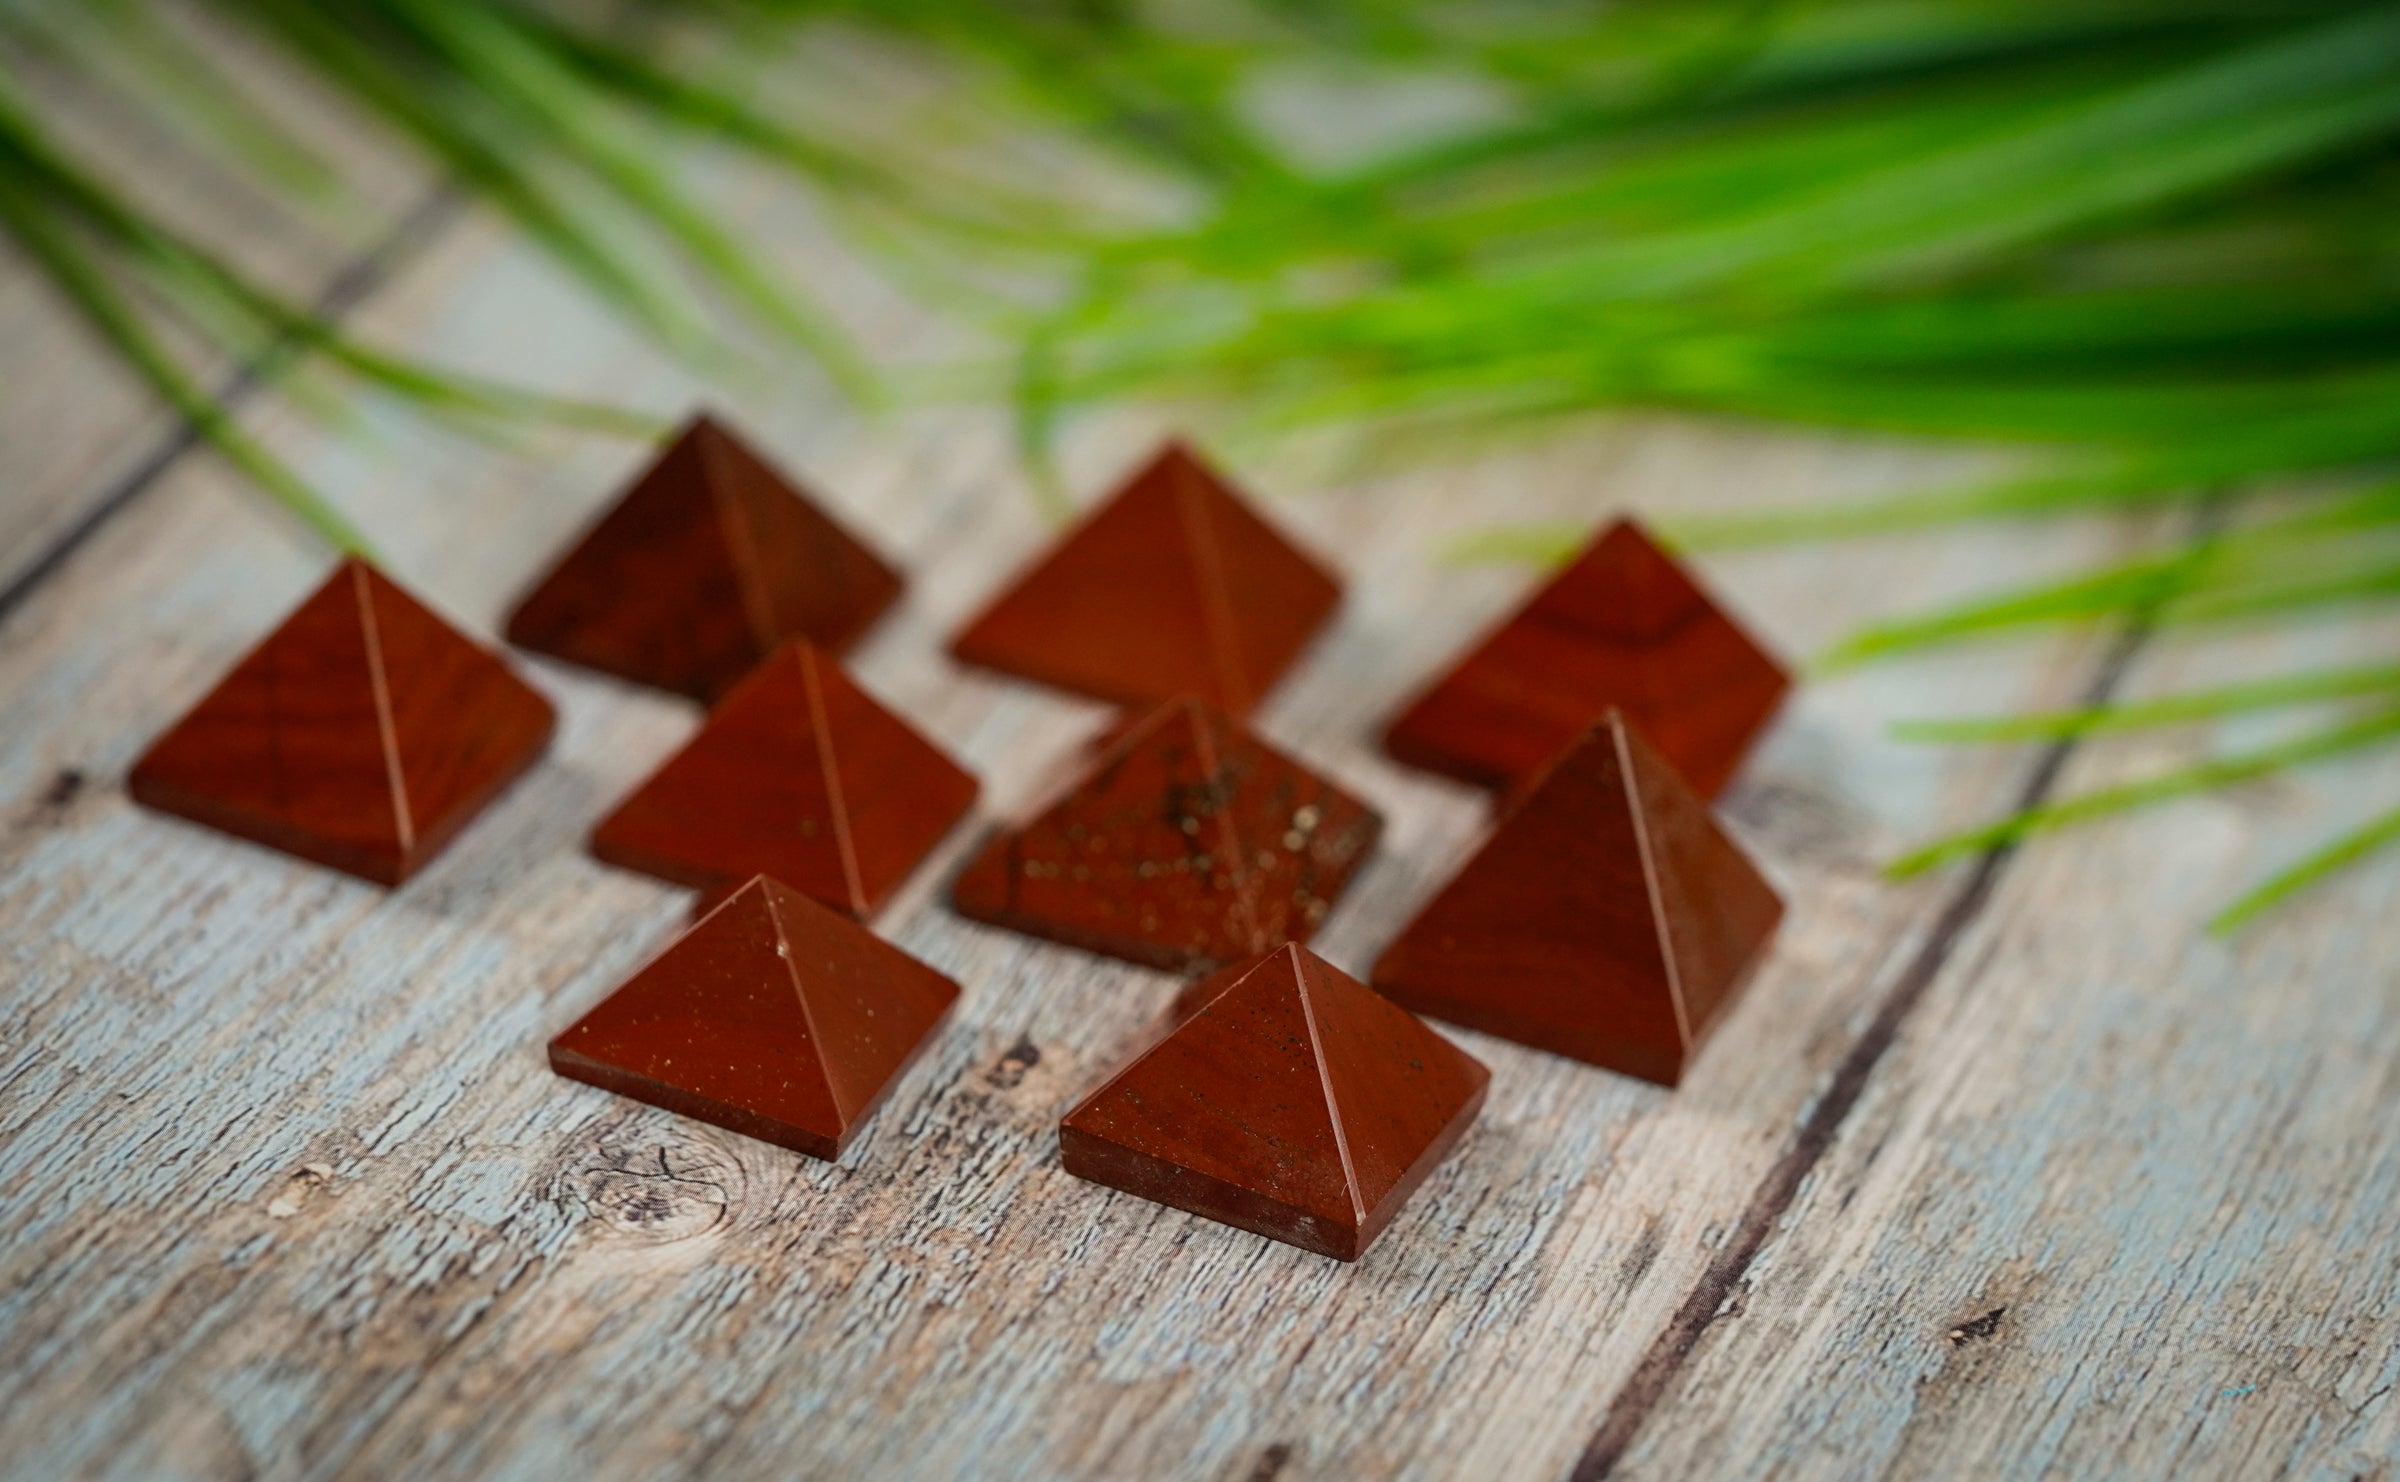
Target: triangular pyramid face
363,733
1625,626
1289,1101
1607,918
772,1017
1389,1119
1716,911
1172,586
1187,843
798,774
705,566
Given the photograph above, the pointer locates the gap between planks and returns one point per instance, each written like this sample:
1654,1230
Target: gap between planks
1654,1377
343,294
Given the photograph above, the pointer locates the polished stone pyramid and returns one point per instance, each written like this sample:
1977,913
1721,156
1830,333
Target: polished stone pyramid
1607,917
798,774
363,733
773,1017
1623,625
706,565
1186,843
1173,586
1290,1100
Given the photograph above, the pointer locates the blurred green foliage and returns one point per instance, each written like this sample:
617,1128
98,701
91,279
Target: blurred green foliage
2160,242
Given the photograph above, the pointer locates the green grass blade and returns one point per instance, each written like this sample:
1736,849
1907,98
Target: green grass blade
2284,884
457,126
2128,586
90,292
263,328
2371,730
2310,687
549,98
164,68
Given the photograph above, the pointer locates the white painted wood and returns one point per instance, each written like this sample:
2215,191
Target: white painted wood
2165,1161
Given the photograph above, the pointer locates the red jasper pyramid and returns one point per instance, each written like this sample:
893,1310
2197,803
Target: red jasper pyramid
1292,1101
362,733
798,774
705,566
773,1018
1187,843
1622,625
1172,586
1607,918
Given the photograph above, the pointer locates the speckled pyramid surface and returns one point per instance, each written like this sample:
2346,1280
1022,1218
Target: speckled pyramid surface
1186,843
773,1017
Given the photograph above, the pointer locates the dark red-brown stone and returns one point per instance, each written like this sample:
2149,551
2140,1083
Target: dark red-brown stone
1187,843
773,1017
1173,586
1291,1101
798,774
705,566
363,733
1607,917
1622,625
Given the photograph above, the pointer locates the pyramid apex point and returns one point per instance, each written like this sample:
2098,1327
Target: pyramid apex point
1624,535
803,658
1193,706
755,885
1178,453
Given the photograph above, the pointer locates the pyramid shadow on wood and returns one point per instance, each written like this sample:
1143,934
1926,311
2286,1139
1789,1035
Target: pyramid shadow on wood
1187,843
1622,625
1174,585
707,564
798,774
1607,918
773,1017
363,733
1290,1100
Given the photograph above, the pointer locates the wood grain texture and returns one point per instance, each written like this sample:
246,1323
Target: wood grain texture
2123,1200
77,426
296,1195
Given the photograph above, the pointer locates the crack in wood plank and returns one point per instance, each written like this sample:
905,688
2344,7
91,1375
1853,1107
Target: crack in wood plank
1653,1378
346,292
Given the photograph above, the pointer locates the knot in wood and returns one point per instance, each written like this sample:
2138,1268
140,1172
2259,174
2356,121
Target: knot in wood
656,1194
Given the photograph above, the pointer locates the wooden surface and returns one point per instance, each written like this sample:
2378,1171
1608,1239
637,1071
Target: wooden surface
2008,1172
80,431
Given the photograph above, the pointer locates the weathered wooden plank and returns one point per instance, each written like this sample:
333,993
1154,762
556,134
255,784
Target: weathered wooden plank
300,1196
75,424
2121,1202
